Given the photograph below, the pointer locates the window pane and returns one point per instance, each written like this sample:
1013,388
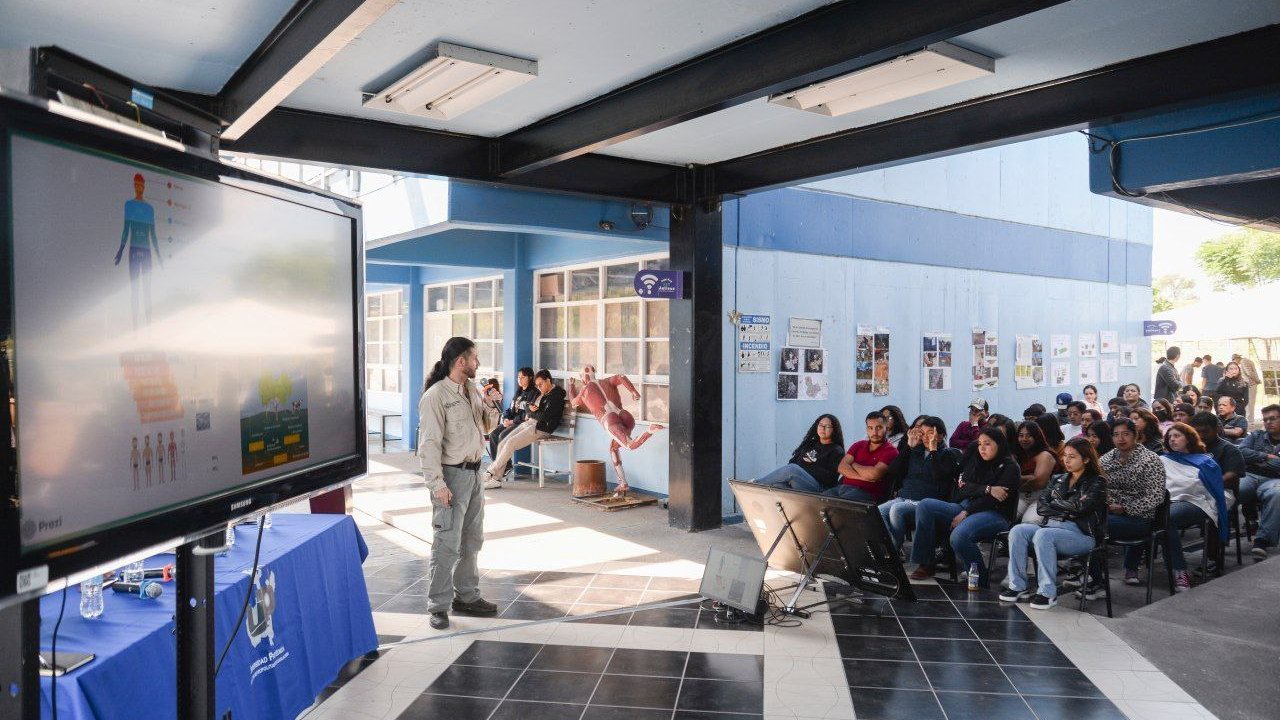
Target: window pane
369,376
620,280
585,284
551,355
482,294
631,406
391,329
375,305
484,352
582,353
551,322
551,287
484,326
497,324
462,324
658,319
391,303
659,360
497,293
373,331
391,380
372,353
622,319
657,400
497,356
657,264
622,357
461,297
437,299
582,321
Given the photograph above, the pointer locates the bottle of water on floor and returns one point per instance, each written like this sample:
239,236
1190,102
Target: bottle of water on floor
973,577
229,539
132,572
91,598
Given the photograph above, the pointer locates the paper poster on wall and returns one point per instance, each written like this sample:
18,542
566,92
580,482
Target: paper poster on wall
1088,372
788,386
1088,345
935,358
986,366
880,372
1028,369
1060,374
864,359
1270,372
803,332
813,386
1059,347
815,361
1109,370
753,344
1128,355
1110,340
789,360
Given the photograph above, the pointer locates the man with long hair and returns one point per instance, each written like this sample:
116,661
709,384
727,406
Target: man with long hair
453,420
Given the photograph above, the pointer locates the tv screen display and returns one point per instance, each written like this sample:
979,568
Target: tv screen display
177,337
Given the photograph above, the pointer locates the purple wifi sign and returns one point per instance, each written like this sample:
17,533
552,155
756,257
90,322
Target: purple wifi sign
660,284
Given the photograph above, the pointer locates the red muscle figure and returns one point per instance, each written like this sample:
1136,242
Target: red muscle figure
601,397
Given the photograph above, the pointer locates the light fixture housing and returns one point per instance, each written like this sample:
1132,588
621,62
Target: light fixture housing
458,79
935,67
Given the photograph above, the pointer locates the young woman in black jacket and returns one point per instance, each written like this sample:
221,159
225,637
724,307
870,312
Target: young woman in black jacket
985,498
1073,509
815,464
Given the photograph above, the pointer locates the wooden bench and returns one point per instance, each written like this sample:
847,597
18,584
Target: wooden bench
563,435
381,416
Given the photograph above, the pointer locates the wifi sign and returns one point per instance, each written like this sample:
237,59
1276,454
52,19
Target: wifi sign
1159,327
659,284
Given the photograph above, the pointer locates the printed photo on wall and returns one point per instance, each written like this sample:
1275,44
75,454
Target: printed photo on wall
986,367
880,384
939,378
1059,346
789,360
813,387
1061,374
1109,370
1088,372
864,359
1128,355
815,361
788,386
1088,345
1110,342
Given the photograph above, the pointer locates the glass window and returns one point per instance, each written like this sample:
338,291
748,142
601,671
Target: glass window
484,326
658,358
630,405
551,322
551,355
482,294
622,357
462,324
498,324
582,321
375,305
551,288
484,353
461,297
391,329
657,401
437,299
373,353
622,320
585,284
582,353
373,331
657,264
657,318
373,380
391,380
497,293
497,354
620,280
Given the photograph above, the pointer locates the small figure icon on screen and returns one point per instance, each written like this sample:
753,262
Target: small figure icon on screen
139,235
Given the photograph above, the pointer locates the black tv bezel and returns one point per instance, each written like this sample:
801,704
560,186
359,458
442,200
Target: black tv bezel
77,554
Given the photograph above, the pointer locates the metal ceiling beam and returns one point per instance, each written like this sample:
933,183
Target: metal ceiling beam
1236,64
828,42
342,141
309,35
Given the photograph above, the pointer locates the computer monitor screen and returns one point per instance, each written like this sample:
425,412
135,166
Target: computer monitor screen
733,578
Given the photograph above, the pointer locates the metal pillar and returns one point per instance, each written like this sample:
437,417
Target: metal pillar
19,664
193,616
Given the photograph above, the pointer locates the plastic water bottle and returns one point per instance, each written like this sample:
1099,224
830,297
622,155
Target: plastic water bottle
132,572
229,540
91,598
973,577
266,521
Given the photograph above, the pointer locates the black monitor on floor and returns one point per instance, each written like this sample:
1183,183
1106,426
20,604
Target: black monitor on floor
806,533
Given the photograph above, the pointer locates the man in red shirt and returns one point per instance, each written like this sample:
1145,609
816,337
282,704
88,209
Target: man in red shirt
967,432
864,470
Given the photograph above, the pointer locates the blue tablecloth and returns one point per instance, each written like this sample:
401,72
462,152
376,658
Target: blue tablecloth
282,657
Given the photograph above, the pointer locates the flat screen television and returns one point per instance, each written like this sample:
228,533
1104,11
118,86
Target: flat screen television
181,344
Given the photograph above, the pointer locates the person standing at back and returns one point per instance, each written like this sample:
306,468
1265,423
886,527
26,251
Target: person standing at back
1211,374
1188,374
1167,381
1249,372
453,422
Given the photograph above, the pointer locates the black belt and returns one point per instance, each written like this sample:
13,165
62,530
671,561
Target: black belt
465,465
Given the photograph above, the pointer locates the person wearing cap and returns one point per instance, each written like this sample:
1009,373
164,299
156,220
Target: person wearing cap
1249,372
1117,409
1061,402
966,432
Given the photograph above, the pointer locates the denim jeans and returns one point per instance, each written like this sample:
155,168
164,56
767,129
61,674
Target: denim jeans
899,515
1265,493
849,492
791,476
964,538
1182,515
1056,538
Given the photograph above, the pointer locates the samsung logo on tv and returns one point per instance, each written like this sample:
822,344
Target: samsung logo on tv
241,504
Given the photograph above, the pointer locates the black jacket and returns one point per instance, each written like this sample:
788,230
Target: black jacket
978,475
550,410
1168,383
1236,389
520,404
820,461
941,467
1085,504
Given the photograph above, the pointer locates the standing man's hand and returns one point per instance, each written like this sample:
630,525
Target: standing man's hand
445,496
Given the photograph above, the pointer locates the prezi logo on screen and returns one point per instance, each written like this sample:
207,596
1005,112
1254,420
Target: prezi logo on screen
31,528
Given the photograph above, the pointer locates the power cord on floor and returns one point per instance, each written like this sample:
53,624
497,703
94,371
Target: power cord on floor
53,659
253,574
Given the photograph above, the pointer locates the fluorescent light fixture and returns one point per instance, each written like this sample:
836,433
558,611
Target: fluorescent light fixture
935,67
458,79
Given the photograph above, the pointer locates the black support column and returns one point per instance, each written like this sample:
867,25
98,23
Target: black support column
194,621
19,664
696,362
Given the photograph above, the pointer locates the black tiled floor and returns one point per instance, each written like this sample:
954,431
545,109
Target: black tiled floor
925,609
1052,708
1006,630
956,629
956,651
720,695
517,710
724,666
666,617
874,648
1027,653
696,715
1066,682
546,686
663,663
863,625
474,681
601,712
870,704
490,653
975,706
968,678
882,674
642,692
992,611
521,610
431,707
571,658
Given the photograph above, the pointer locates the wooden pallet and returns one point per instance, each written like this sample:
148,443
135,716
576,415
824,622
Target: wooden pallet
609,503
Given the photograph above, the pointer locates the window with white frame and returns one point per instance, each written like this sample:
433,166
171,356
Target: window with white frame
473,309
383,314
590,315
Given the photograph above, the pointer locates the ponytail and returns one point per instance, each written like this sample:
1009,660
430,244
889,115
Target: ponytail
455,348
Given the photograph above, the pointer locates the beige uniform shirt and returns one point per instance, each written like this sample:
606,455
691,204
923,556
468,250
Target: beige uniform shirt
452,421
1250,372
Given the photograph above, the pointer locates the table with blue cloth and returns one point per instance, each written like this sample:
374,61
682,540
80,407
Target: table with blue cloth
284,654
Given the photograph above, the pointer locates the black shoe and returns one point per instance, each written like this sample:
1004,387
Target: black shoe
439,620
477,608
1094,591
1040,602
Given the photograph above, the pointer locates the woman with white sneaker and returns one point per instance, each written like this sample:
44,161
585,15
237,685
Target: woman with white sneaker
1073,510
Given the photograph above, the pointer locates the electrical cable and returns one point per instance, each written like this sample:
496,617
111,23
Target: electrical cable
53,659
253,574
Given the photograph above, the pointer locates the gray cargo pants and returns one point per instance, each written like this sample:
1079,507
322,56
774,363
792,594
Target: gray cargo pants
458,533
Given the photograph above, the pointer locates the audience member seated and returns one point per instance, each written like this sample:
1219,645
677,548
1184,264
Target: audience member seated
1062,401
1205,403
814,466
1163,410
515,414
1260,486
967,431
1234,386
1036,463
926,469
985,498
1132,395
864,470
1117,409
1033,411
1195,488
1099,435
1091,416
1135,490
1191,394
1183,412
1076,415
1224,453
1071,511
1091,400
1234,426
1149,435
1052,434
543,417
895,426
